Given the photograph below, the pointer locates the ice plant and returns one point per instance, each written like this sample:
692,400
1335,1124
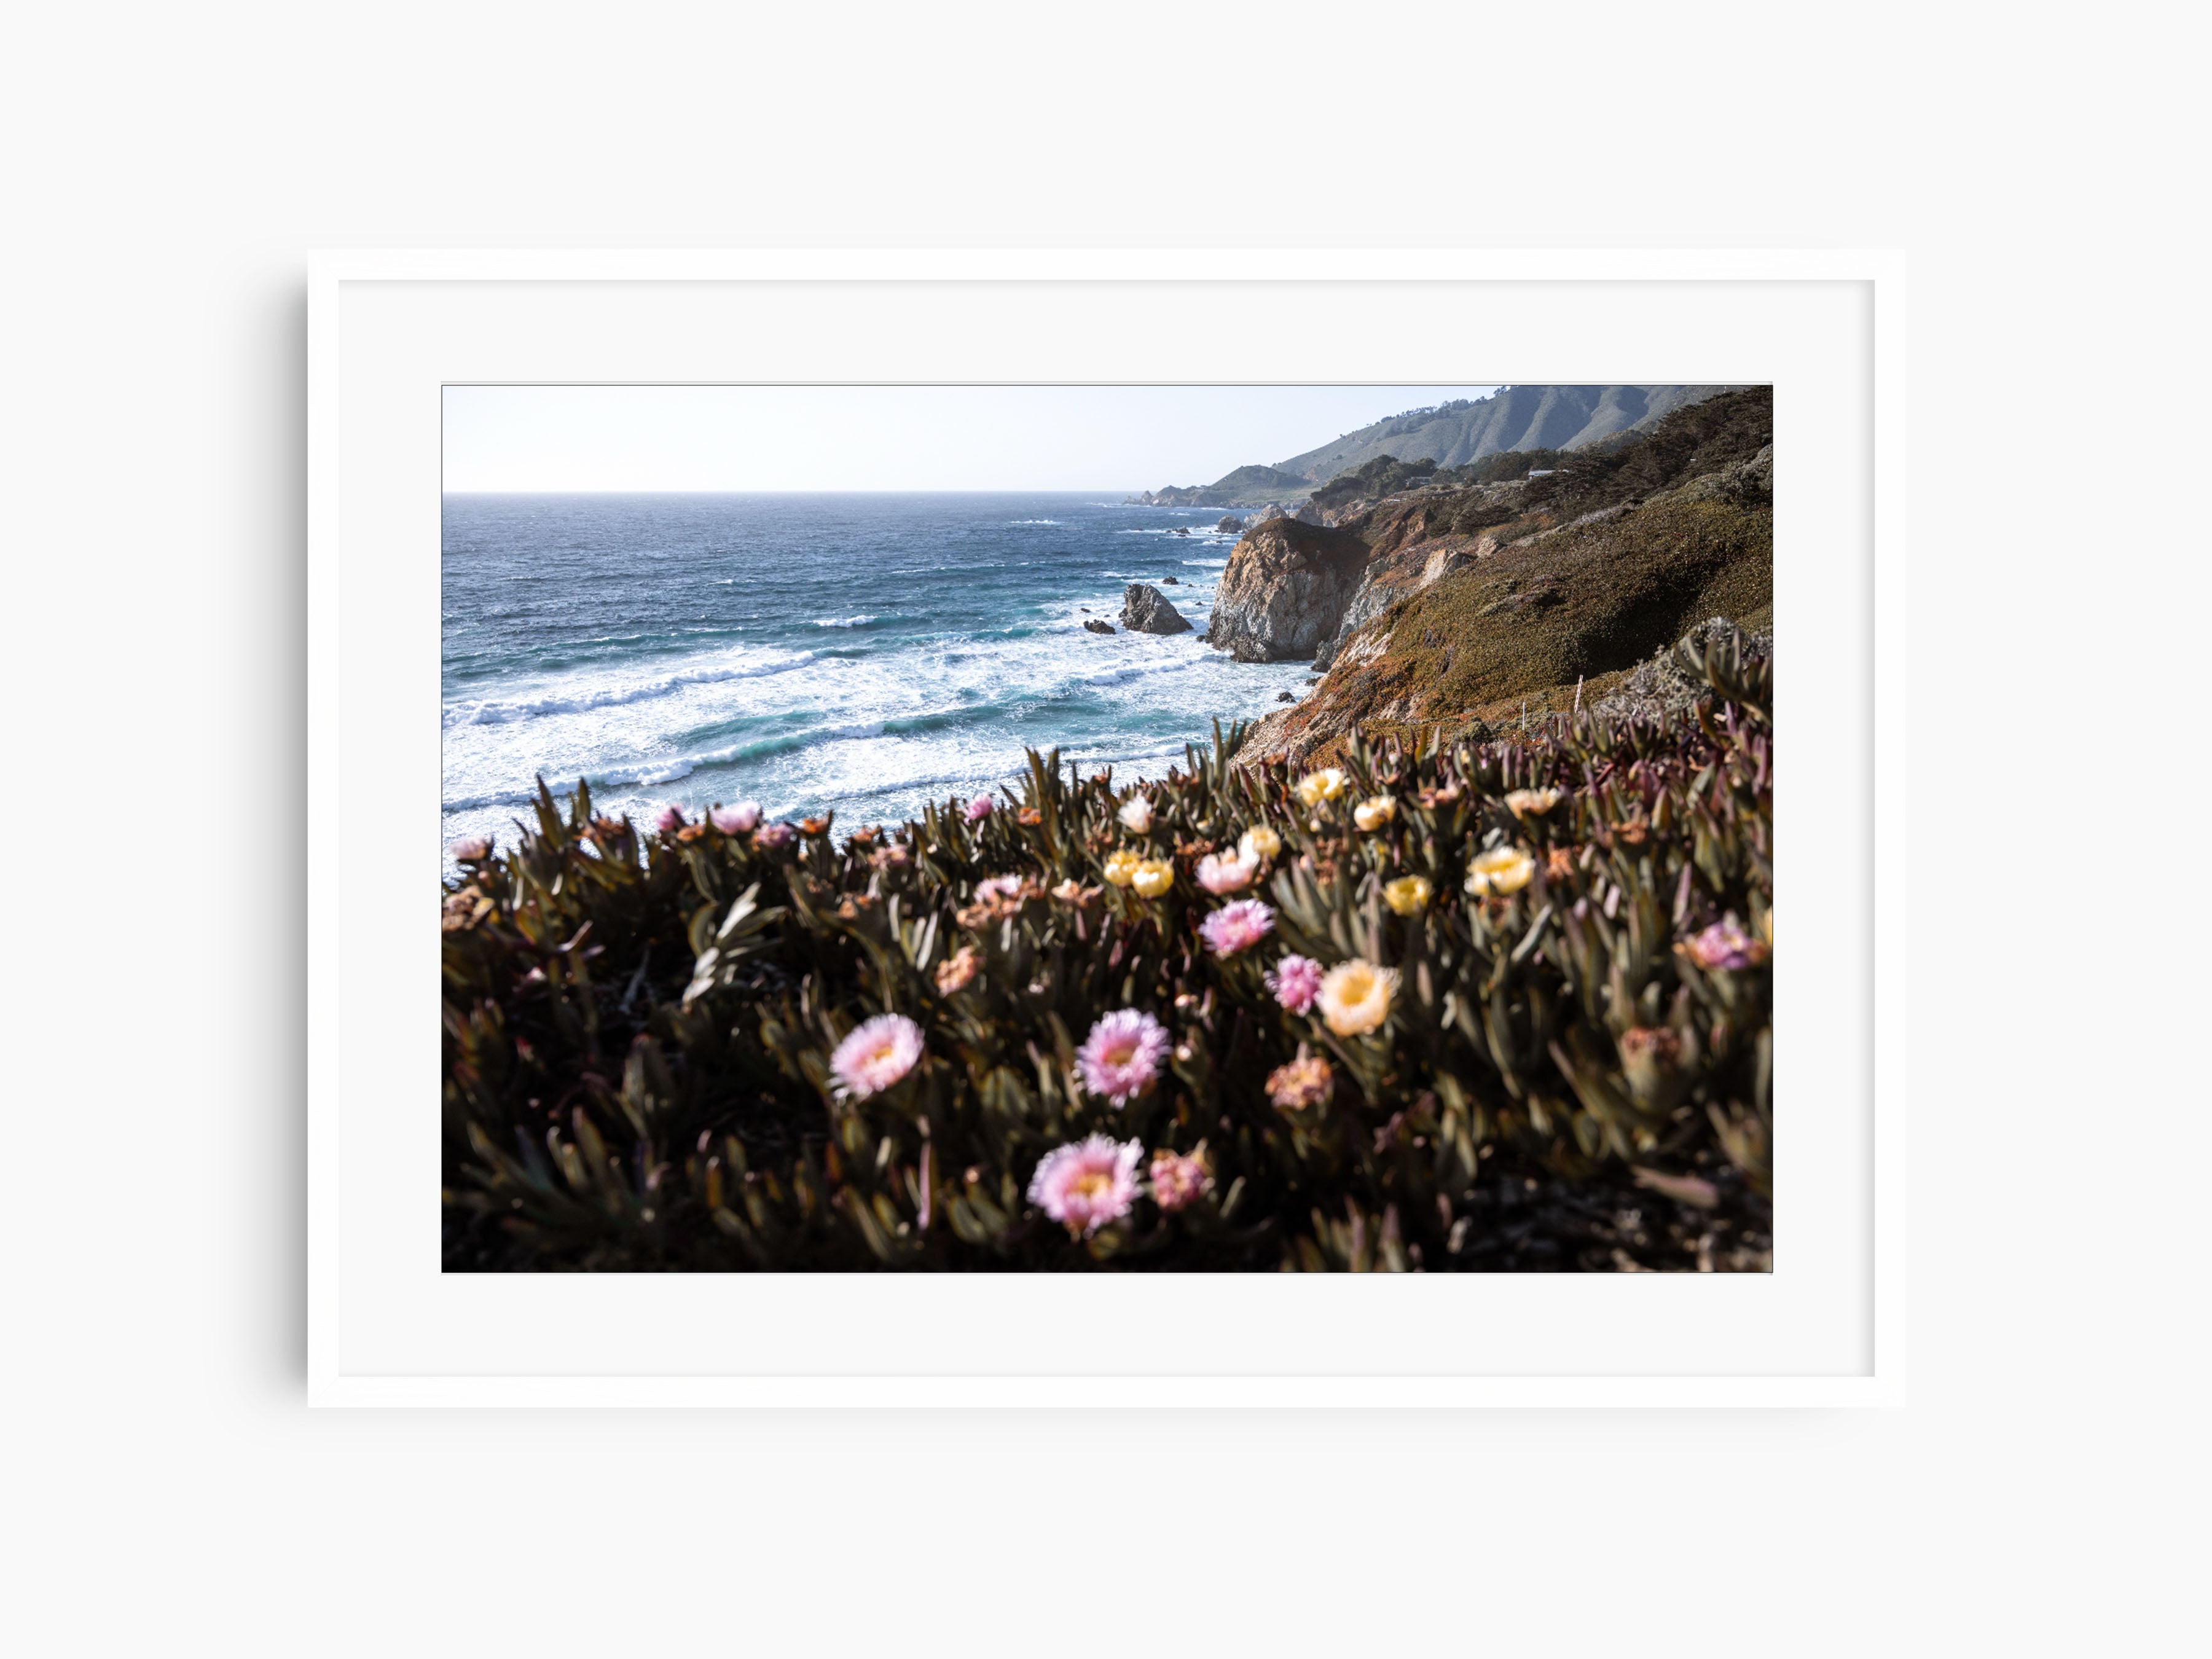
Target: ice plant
1237,927
1177,1181
980,808
1121,1057
1375,811
1122,867
1258,842
1152,877
470,849
1327,784
1087,1184
1724,944
1501,870
1525,803
1305,1081
957,971
1354,998
1217,874
1296,981
1136,814
669,819
877,1053
735,820
1073,891
774,835
1409,894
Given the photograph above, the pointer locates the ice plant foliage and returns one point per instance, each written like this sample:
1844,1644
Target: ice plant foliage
1295,981
878,1053
1238,926
1355,997
1122,1056
1268,1039
1087,1184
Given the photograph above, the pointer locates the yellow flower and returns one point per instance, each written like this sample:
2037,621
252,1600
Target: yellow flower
1122,867
1375,812
1523,802
1501,870
1407,894
1258,842
1152,877
1327,784
1355,997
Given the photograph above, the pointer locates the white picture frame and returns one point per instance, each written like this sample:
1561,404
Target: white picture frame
389,329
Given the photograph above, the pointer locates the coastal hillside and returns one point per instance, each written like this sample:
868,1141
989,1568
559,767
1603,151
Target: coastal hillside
1456,604
1514,418
1247,486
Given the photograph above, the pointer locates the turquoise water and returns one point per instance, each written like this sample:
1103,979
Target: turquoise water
865,652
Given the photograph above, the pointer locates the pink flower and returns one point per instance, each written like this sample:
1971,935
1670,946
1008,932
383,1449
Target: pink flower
993,887
1237,927
1087,1184
1121,1057
470,849
669,819
1177,1181
981,808
735,820
1295,981
774,835
1217,874
1725,944
877,1053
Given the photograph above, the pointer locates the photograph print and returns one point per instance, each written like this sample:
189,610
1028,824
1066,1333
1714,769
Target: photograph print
899,828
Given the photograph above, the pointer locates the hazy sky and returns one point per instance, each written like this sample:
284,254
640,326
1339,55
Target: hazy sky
823,438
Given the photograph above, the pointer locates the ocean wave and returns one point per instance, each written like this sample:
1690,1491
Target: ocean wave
1209,564
1012,522
844,621
494,714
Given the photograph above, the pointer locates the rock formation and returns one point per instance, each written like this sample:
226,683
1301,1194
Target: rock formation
1145,610
1230,525
1097,627
1284,591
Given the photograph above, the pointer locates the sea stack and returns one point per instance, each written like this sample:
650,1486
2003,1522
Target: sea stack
1145,610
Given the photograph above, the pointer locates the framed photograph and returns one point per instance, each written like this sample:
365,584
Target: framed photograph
1090,828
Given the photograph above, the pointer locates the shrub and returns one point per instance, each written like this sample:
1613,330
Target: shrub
1568,1065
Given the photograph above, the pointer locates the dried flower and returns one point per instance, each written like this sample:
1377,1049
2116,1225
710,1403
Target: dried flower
1237,927
1177,1181
1558,863
1327,784
877,1053
1296,981
1724,944
1501,870
1355,996
893,855
981,808
1073,891
735,820
470,849
1152,877
1445,797
1375,811
813,826
1407,895
1122,867
669,819
1305,1081
1029,815
1649,1046
774,835
1087,1184
1121,1058
1524,803
957,971
1220,874
1258,842
1136,814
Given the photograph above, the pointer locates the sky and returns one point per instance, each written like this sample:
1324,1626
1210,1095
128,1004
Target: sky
894,438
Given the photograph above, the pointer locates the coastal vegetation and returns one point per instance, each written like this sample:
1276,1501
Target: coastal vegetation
1447,1004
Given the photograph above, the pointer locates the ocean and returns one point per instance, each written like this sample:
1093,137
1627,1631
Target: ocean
862,653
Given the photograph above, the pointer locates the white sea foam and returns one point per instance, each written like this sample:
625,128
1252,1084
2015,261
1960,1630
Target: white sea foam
1209,564
843,622
608,697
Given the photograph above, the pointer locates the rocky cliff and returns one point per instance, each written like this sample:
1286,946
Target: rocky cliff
1285,590
1145,610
